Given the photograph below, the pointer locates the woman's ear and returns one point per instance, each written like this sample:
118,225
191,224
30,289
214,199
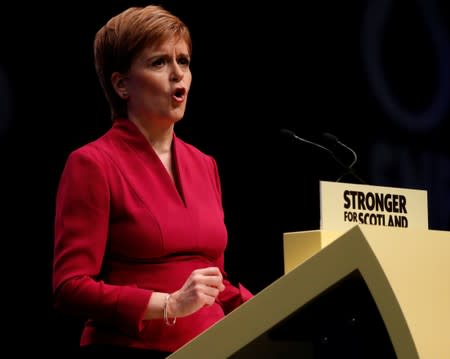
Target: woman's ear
119,83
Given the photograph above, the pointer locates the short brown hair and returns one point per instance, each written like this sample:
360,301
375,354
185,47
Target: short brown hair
122,38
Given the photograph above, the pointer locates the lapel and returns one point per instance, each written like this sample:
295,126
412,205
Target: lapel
141,166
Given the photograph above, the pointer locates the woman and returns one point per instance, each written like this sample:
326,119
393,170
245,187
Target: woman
139,227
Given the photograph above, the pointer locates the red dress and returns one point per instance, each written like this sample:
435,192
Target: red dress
123,229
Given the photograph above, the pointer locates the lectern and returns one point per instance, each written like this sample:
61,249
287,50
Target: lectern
400,284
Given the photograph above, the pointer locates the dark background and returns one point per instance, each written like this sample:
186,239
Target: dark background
374,73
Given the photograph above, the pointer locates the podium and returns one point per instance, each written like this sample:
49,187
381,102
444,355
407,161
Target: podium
401,277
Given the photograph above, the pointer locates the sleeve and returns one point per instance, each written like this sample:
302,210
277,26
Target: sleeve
80,238
233,295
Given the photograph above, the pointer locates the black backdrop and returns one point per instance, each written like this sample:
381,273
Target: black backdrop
373,73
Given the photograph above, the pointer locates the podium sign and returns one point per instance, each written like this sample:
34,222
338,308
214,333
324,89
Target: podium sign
344,205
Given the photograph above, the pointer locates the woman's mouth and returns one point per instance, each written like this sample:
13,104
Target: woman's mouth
179,94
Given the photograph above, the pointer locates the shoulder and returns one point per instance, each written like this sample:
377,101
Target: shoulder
91,150
92,153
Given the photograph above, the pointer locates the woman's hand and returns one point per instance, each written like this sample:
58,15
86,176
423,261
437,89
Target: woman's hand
201,288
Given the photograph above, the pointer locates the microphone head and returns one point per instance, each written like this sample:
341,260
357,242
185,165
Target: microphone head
330,137
287,133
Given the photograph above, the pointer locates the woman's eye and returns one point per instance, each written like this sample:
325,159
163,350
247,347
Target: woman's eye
158,62
184,61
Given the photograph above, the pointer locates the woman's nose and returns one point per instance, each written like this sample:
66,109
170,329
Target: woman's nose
177,73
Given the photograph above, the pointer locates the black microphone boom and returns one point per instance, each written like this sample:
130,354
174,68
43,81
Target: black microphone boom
334,139
348,169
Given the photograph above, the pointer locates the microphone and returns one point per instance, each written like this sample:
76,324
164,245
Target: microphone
348,169
334,139
292,135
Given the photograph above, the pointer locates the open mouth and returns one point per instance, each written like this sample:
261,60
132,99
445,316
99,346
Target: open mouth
179,94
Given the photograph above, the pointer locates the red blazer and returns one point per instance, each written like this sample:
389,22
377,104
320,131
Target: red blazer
124,230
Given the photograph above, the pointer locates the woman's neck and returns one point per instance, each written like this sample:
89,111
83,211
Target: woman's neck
159,137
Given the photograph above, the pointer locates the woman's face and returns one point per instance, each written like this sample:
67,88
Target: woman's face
158,82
